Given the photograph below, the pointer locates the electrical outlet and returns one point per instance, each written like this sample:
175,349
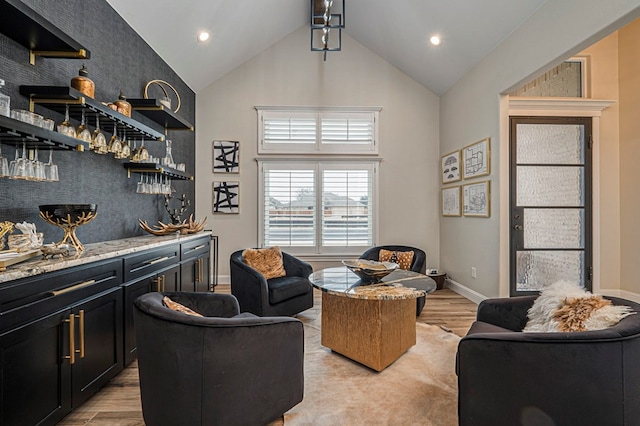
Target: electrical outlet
473,272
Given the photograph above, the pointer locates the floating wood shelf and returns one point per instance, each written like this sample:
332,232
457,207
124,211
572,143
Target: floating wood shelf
148,168
15,132
154,110
24,25
56,98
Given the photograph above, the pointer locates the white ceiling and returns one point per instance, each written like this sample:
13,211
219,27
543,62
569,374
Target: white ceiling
398,31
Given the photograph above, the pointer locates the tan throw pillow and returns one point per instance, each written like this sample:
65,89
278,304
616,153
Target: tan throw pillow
267,261
402,258
175,306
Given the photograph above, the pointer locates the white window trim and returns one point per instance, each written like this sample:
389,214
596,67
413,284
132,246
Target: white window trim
318,148
314,252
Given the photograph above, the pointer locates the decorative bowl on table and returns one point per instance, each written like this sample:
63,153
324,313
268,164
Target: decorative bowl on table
370,271
69,217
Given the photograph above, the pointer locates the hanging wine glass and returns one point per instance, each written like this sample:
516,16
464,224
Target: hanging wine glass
38,168
82,132
66,128
115,146
98,140
50,169
126,149
4,165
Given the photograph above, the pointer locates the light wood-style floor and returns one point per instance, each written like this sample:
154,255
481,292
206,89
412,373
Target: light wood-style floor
118,403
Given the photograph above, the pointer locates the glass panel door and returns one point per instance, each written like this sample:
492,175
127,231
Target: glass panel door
550,202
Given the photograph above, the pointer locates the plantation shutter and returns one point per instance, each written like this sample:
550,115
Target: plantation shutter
347,210
347,128
289,206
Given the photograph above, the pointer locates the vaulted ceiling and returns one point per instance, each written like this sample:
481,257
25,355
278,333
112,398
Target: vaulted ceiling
398,31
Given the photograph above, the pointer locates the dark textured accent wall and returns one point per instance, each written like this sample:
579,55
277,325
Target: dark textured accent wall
120,60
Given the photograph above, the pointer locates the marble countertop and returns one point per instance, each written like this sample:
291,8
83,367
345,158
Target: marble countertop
93,253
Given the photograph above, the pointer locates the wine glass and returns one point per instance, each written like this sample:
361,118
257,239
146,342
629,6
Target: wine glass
66,128
115,145
38,168
82,132
4,165
50,169
98,140
126,149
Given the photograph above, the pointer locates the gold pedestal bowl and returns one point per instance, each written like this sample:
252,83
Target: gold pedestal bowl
69,217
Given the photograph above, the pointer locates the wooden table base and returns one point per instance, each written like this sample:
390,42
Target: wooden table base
372,332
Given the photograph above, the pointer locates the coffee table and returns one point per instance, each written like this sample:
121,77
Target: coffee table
373,324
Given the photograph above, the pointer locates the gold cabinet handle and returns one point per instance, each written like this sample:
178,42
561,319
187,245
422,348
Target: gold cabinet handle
198,271
156,281
201,270
72,340
154,261
73,287
81,329
164,282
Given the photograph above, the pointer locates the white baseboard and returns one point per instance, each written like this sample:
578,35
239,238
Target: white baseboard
464,291
223,279
634,297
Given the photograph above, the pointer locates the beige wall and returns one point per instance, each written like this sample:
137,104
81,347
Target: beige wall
289,74
472,110
629,157
603,70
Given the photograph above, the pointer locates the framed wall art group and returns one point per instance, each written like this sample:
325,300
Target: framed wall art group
225,193
470,162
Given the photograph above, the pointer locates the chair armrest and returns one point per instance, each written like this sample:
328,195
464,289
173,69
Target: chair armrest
248,285
508,313
296,267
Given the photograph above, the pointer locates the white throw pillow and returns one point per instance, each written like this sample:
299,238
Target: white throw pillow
565,306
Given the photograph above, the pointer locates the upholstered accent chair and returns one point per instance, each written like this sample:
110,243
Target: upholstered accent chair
510,377
287,295
225,368
418,263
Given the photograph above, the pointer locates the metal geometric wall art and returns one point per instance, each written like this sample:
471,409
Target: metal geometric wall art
226,197
226,156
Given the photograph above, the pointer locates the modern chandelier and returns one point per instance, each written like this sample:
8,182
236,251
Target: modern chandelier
327,15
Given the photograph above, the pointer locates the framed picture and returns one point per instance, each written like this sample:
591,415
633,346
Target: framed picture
476,159
226,156
226,197
450,167
477,199
451,201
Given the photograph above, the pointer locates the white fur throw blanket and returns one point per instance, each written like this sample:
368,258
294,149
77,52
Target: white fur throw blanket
565,306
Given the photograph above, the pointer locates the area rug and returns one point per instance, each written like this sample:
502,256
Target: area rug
420,388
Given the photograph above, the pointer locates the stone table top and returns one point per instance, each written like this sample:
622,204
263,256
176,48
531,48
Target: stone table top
400,284
93,253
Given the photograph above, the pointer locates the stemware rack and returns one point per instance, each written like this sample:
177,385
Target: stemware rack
13,132
150,168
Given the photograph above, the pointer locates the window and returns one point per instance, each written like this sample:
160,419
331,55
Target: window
318,130
318,207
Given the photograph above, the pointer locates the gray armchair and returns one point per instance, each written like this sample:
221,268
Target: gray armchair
418,264
507,377
225,368
286,295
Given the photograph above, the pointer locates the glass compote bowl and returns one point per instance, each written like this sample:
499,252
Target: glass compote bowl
69,217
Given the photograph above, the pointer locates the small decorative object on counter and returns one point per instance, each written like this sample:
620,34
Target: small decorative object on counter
28,240
49,251
122,106
4,102
6,227
185,227
176,214
83,83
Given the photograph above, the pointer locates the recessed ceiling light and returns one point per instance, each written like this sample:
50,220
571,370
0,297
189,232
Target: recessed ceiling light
203,36
435,40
